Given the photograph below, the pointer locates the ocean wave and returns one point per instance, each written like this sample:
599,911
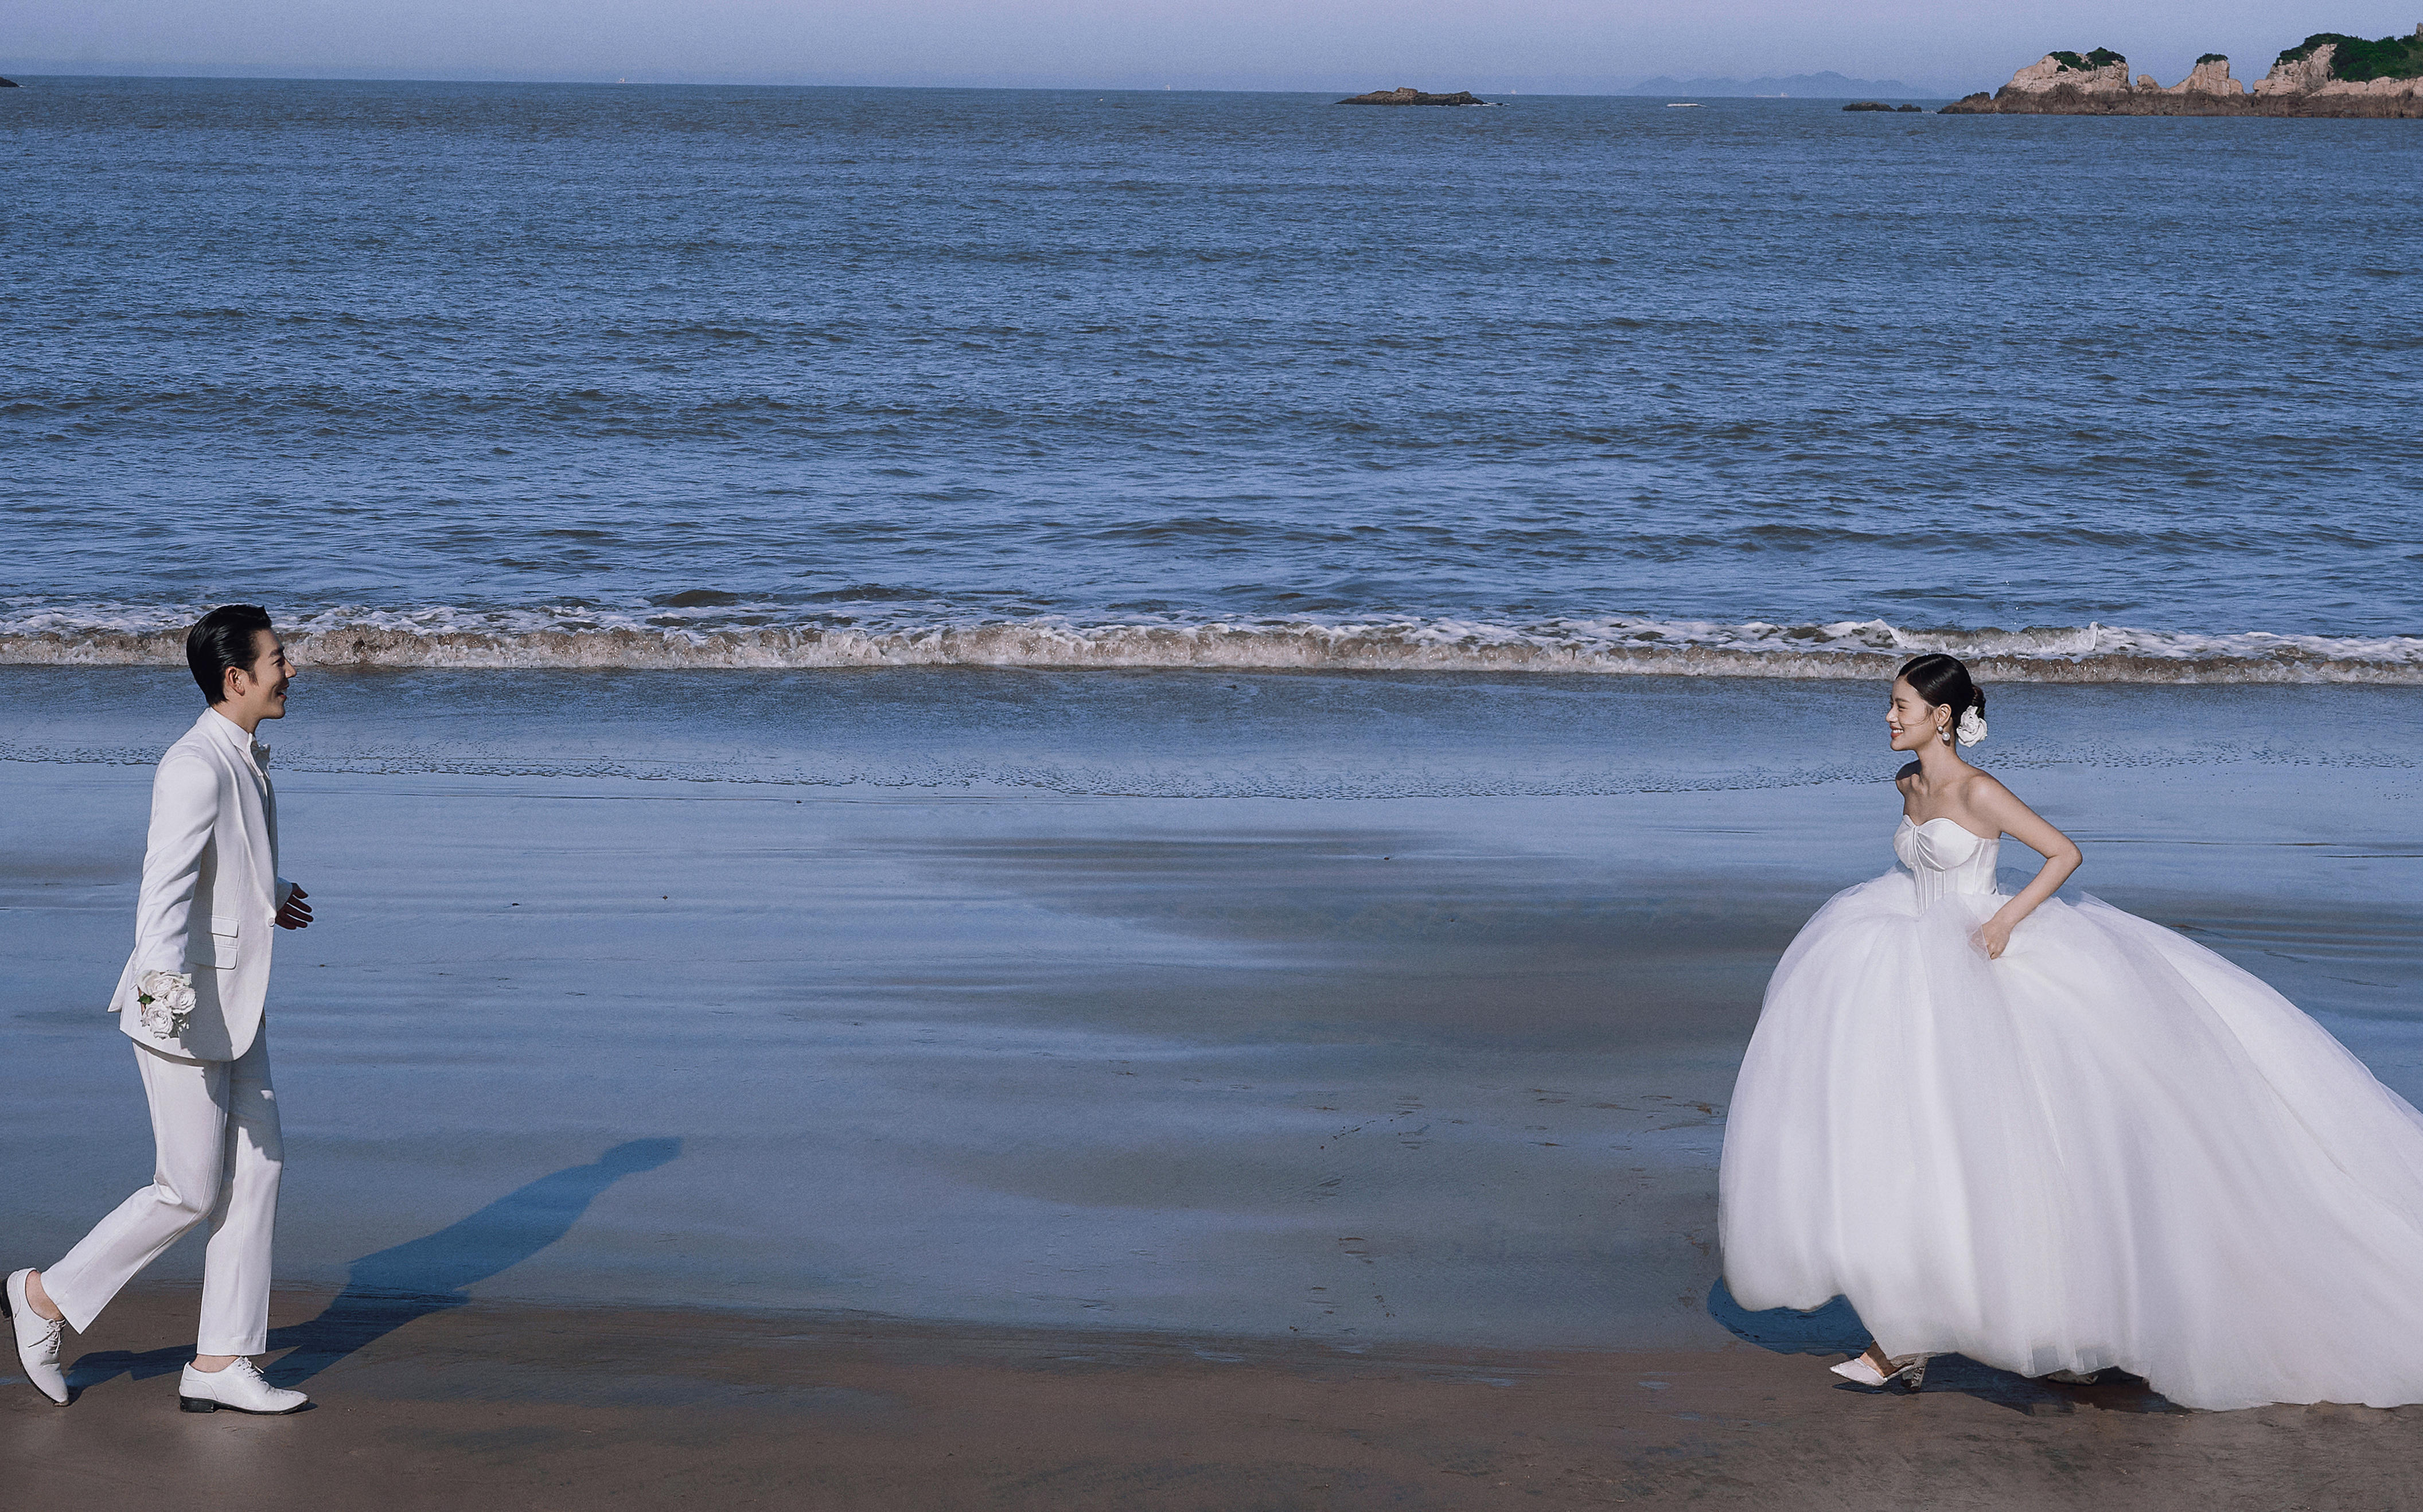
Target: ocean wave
685,633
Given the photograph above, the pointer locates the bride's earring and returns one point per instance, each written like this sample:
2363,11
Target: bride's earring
1944,736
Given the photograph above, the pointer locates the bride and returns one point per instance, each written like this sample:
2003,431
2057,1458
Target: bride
2056,1138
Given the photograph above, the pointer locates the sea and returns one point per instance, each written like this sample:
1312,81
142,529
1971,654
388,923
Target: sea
1189,713
496,375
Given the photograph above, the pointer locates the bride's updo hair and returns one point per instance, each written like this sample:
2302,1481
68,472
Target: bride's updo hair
1943,679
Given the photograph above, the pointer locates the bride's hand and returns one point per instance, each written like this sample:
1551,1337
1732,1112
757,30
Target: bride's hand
1993,937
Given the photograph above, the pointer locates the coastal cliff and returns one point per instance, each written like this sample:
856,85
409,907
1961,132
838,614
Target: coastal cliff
2326,74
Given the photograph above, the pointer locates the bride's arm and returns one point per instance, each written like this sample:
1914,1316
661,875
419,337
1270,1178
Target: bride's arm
1994,803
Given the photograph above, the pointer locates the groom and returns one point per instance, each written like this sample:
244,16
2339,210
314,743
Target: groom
191,998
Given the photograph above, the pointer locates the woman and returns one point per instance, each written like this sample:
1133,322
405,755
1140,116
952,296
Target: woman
2056,1138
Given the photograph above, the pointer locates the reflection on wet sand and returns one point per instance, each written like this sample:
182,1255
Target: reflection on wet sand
1446,1060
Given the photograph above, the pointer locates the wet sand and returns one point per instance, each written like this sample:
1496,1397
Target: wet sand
1374,1032
1236,1065
493,1405
1357,1010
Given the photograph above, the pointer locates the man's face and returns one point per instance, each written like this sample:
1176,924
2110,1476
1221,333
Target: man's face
258,691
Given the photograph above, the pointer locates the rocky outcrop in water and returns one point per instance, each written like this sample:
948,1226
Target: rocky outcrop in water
1877,105
1403,96
2210,76
2326,74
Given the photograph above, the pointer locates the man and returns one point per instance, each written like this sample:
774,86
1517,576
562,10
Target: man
191,1000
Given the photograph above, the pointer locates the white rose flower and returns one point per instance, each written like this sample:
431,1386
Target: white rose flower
166,999
1973,726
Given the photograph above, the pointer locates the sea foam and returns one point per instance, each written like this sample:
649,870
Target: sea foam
735,639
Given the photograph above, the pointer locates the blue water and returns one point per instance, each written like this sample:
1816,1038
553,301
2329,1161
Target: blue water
563,374
1048,998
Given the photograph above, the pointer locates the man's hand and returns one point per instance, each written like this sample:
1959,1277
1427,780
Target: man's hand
296,914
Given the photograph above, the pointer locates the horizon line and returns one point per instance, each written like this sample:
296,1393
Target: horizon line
1612,88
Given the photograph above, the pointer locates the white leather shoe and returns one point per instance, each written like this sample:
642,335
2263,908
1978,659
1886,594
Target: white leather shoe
38,1340
238,1388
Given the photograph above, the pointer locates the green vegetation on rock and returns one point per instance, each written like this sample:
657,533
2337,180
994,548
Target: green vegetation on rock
2212,57
2102,57
2356,61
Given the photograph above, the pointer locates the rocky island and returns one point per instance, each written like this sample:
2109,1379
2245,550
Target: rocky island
2326,74
1403,96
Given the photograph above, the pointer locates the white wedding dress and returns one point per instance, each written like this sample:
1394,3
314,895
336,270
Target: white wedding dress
2108,1147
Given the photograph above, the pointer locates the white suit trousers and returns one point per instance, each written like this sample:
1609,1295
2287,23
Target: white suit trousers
214,1129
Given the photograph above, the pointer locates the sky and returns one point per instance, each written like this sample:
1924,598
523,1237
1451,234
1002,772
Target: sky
1565,46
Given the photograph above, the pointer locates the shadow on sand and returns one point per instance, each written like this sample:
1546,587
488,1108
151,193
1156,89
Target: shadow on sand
1835,1328
386,1290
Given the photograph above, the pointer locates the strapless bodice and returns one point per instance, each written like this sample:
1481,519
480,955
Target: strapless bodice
1946,858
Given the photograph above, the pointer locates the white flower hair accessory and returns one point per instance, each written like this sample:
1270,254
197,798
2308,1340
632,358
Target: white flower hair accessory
166,999
1971,728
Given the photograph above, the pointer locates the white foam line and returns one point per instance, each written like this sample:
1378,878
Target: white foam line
1841,648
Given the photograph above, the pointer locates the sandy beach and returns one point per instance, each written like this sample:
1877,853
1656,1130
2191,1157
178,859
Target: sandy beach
587,1408
939,1045
1078,797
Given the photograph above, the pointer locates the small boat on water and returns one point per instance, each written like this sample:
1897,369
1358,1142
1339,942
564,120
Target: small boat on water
1682,105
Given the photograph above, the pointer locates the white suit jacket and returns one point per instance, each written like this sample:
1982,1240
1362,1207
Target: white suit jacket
211,891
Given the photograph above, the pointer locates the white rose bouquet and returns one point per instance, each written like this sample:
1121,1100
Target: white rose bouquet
166,1000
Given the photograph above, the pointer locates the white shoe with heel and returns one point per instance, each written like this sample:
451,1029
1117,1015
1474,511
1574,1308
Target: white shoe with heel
1909,1370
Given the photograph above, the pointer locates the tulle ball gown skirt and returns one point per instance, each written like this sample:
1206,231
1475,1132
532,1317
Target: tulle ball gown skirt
2108,1147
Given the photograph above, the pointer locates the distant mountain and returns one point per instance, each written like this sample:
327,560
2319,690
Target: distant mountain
1825,86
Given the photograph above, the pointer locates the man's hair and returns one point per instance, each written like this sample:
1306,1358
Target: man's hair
220,639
